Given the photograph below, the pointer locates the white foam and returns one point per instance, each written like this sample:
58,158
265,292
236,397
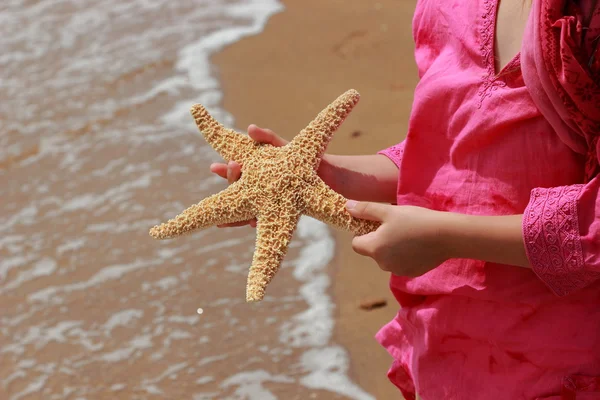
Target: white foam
71,244
83,201
153,389
329,370
106,274
176,169
44,267
137,343
19,374
85,339
122,318
40,336
113,196
206,396
218,246
326,367
120,227
109,167
170,371
9,263
314,326
26,363
34,386
203,339
190,320
57,333
117,387
167,282
176,334
250,384
203,380
25,216
193,60
8,240
211,359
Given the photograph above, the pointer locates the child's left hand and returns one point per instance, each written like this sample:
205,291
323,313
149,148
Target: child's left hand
410,241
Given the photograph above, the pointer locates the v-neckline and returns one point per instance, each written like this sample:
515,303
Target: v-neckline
514,62
492,79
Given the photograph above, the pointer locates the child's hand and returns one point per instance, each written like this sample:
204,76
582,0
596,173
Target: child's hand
232,171
410,241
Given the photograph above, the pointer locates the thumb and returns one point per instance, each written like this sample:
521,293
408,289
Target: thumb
364,245
265,136
367,210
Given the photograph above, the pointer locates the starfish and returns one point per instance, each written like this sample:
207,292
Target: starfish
277,186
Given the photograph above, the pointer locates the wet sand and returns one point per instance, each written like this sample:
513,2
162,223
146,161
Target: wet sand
281,78
98,146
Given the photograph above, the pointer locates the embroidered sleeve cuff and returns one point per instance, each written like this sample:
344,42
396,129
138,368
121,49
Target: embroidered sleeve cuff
552,239
394,153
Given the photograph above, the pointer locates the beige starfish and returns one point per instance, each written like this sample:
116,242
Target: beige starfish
277,185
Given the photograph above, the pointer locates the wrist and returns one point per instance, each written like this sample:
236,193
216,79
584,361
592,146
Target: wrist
448,237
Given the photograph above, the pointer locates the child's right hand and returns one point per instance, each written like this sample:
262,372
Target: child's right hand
232,171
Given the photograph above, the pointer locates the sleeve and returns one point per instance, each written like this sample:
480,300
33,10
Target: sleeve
561,230
561,225
394,153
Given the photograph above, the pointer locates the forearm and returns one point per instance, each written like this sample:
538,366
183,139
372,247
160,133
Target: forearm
363,178
496,239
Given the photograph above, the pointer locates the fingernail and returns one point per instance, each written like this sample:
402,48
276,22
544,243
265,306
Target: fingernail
350,204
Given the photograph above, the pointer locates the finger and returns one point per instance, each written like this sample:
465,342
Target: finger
367,210
253,223
265,136
237,170
363,245
230,178
234,224
219,169
234,170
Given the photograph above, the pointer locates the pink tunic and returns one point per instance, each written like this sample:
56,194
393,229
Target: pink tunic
478,145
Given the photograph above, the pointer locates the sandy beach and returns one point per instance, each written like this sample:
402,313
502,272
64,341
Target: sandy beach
97,145
279,79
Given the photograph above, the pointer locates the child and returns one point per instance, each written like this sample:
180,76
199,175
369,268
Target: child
494,245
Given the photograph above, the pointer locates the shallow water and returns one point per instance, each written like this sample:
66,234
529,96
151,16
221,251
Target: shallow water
96,146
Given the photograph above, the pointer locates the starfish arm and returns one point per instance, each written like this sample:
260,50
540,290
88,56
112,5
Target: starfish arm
231,145
312,141
323,203
224,207
274,232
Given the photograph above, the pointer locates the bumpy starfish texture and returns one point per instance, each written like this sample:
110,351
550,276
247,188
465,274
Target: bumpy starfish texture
277,186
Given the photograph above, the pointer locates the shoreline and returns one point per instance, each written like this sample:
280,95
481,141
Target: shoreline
328,49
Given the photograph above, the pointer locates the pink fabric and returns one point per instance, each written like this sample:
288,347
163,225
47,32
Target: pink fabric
563,246
561,82
555,61
394,153
478,144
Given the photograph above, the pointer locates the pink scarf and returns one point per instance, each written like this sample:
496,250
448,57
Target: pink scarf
560,61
